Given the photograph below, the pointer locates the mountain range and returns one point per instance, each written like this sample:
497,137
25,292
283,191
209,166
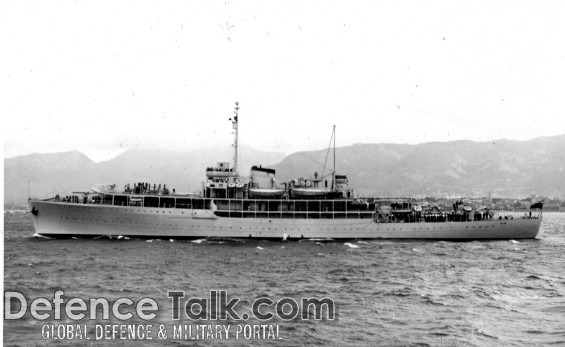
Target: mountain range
48,174
502,168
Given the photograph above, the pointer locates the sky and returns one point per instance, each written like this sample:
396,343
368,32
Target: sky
103,77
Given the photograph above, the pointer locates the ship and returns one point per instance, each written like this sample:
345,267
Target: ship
259,206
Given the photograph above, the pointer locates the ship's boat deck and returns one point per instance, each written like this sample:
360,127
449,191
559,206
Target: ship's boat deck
289,208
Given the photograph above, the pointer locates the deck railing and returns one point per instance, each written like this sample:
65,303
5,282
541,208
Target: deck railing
292,209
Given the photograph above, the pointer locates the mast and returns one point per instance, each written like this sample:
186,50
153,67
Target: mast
333,180
236,140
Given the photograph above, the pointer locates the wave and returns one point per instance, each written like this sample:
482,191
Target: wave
350,245
42,236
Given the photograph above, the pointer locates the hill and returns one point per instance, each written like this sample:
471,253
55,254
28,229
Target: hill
52,173
502,168
458,168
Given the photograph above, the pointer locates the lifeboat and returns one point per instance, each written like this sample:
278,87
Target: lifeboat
104,188
273,193
312,193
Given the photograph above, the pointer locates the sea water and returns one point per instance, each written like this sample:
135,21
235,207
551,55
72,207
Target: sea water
384,292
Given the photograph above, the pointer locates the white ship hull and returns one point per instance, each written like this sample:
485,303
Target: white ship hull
89,220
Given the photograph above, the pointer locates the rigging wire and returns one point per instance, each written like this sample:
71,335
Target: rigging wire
328,152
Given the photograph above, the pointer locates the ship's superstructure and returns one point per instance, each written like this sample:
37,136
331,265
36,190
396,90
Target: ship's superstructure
260,206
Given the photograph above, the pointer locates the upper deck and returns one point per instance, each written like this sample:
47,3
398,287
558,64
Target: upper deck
378,209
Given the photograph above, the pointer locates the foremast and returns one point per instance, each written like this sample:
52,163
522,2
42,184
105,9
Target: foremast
333,177
224,181
235,124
